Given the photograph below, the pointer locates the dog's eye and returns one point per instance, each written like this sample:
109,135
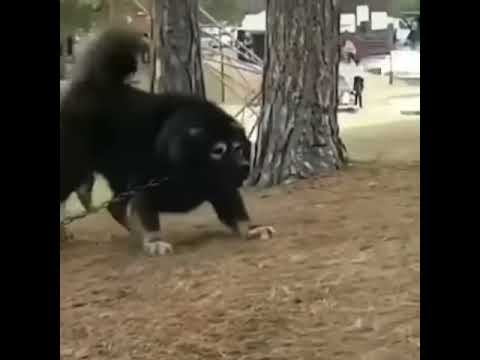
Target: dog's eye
236,146
218,150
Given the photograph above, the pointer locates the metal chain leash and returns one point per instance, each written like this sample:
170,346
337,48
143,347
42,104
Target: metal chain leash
120,197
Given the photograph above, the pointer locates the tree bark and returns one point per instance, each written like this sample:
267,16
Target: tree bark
63,68
298,135
179,48
112,11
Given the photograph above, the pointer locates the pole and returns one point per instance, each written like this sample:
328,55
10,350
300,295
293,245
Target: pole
240,44
222,67
390,80
153,47
111,11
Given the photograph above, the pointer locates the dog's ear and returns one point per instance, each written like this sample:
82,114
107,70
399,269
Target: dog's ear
174,144
176,150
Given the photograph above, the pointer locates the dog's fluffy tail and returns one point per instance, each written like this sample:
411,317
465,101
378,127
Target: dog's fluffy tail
110,58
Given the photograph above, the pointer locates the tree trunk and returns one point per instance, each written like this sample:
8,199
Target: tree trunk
63,68
112,10
179,47
298,135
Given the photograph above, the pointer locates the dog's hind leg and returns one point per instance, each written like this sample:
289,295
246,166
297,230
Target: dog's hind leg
84,192
75,164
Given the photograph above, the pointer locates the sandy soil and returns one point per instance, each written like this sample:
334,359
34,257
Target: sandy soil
340,280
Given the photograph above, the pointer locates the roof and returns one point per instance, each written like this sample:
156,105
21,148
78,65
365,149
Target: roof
347,6
410,13
254,22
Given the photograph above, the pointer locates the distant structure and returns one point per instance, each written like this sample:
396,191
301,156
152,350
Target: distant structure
365,23
254,6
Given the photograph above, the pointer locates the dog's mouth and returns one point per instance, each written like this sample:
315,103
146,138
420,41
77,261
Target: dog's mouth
244,174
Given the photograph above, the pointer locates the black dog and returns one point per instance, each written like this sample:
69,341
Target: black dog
132,137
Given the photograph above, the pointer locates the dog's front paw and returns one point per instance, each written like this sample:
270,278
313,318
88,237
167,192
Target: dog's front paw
262,232
157,248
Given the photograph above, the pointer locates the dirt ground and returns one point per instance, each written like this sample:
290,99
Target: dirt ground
340,280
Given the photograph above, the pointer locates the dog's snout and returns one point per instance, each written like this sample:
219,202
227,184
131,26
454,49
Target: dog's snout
245,167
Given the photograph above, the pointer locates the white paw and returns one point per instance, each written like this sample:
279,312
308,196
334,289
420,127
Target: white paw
155,248
262,232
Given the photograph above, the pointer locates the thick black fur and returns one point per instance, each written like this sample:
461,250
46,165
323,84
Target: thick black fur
131,137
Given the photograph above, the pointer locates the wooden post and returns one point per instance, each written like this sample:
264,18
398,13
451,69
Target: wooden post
391,46
62,60
153,47
222,67
111,11
390,79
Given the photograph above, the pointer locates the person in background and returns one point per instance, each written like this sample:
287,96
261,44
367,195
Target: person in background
414,35
146,53
351,71
358,90
70,45
350,49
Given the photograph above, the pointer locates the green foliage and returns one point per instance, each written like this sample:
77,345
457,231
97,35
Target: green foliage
80,15
230,11
406,5
95,5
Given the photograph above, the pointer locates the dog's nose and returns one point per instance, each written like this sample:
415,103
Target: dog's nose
245,167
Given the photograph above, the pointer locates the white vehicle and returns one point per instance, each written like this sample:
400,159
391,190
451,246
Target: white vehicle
220,35
205,41
225,38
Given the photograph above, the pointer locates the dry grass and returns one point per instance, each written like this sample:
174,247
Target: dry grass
339,281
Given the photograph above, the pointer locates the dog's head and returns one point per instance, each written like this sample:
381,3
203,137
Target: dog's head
209,145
